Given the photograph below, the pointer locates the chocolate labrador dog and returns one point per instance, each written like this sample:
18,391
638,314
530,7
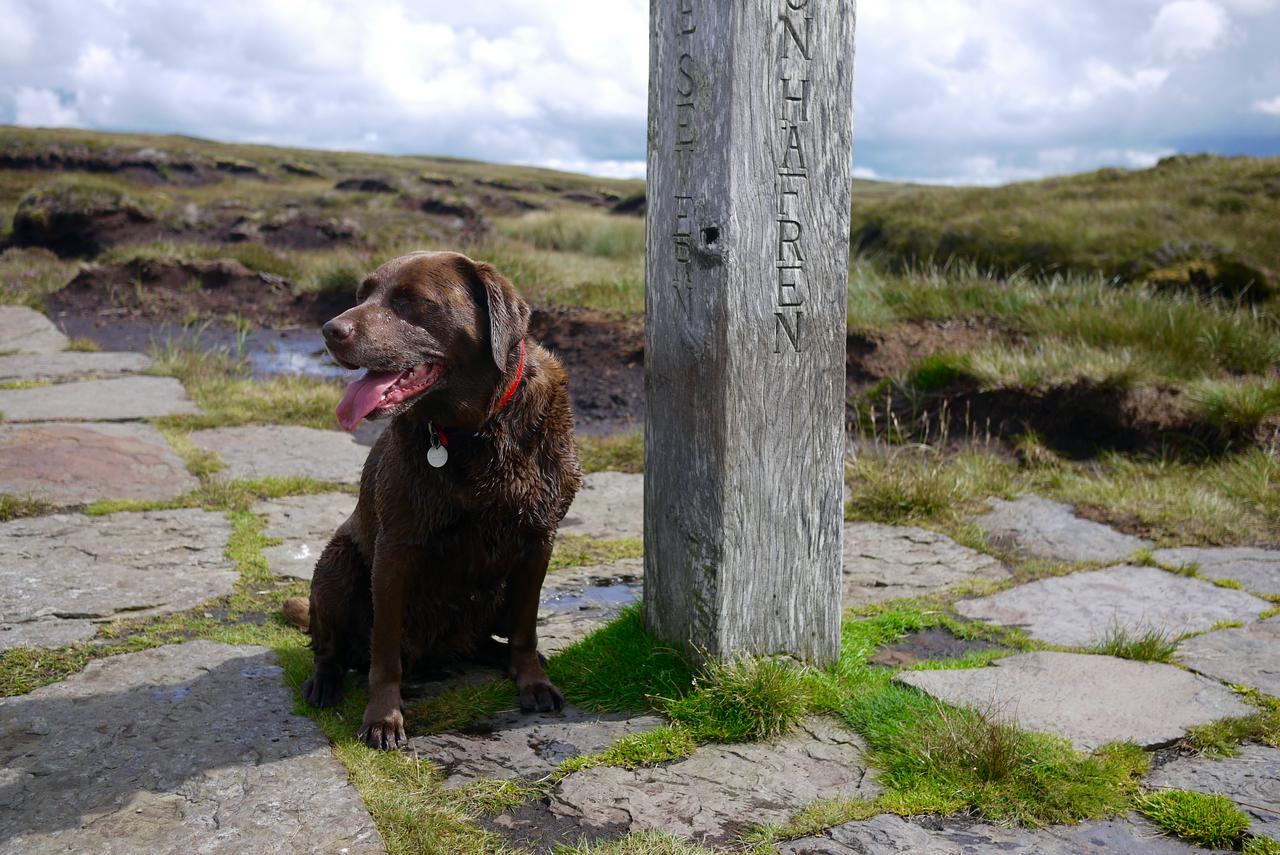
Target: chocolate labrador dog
460,496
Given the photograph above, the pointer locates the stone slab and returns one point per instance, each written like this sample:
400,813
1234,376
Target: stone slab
579,600
1080,609
1091,700
711,797
891,835
1248,655
24,330
1257,569
114,400
885,562
1251,779
265,451
74,567
1041,528
71,365
520,745
70,464
610,505
187,748
305,524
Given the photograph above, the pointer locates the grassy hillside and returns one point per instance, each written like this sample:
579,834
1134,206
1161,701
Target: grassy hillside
1202,222
1115,311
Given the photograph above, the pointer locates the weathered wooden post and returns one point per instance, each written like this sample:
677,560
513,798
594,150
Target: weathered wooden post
750,137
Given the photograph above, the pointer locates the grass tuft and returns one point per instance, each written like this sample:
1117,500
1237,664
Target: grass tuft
1211,821
15,507
1222,738
749,700
1149,644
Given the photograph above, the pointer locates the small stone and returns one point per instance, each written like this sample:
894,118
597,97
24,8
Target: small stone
71,365
264,451
891,835
1044,529
114,400
1251,780
77,463
610,505
1248,655
24,330
884,562
185,748
1091,700
519,745
73,567
47,632
305,524
1080,609
711,796
1257,569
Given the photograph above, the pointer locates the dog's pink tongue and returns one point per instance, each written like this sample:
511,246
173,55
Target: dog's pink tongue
363,396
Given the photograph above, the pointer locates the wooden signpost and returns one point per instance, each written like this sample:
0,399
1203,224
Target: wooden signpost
750,138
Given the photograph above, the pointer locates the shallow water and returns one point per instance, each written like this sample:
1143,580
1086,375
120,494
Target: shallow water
268,352
595,597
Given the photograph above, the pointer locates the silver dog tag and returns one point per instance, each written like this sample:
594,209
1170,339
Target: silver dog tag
437,455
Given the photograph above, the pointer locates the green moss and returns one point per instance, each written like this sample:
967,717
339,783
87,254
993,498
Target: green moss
646,748
639,843
1261,846
17,385
1211,821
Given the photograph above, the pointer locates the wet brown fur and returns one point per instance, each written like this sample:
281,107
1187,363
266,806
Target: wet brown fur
460,551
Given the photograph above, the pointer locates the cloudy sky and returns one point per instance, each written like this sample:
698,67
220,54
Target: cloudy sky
962,91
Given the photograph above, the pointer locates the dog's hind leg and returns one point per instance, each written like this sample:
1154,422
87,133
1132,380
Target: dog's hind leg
341,612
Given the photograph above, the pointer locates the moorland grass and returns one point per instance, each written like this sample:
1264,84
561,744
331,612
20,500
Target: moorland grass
15,507
1149,644
1134,225
1222,738
228,395
587,232
619,452
573,550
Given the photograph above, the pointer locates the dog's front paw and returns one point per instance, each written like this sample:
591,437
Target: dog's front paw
323,688
540,694
383,730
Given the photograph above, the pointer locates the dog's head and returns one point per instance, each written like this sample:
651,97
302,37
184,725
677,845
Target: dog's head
432,329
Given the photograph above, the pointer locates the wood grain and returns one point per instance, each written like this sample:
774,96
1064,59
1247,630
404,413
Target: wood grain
750,136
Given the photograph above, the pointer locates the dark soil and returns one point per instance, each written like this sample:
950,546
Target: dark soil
368,184
605,362
874,356
925,646
85,234
172,291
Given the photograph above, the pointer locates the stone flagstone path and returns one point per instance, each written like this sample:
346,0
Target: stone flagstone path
195,747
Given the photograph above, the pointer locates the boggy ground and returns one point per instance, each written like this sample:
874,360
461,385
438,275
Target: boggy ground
977,517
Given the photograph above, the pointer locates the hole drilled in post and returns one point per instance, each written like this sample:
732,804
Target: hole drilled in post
710,235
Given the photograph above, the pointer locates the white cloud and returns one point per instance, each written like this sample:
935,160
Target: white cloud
1269,106
948,90
43,108
1187,28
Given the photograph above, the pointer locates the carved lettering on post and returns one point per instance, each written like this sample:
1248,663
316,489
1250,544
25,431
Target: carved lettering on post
750,137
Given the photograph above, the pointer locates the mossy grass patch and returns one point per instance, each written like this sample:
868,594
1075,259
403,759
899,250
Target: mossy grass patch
575,550
1211,821
620,452
1222,738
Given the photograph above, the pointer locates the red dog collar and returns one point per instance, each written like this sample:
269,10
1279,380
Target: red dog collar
511,390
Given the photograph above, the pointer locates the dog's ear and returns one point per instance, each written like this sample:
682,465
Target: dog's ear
508,312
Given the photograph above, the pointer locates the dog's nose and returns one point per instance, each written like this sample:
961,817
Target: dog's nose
338,330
